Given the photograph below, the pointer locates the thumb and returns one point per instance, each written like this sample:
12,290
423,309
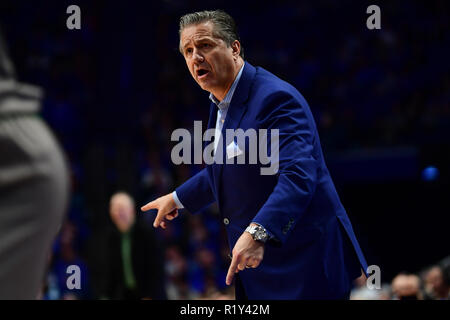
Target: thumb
172,215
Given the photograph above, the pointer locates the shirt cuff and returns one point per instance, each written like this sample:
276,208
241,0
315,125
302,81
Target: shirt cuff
177,201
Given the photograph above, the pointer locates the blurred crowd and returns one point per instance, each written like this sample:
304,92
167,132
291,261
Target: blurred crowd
431,283
117,88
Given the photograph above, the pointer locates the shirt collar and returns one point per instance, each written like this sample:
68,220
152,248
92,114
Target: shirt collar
226,101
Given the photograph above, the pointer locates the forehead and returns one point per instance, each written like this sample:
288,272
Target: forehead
196,32
120,199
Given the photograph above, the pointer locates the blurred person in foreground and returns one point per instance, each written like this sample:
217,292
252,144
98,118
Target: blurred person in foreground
437,283
134,268
361,290
406,287
290,234
33,186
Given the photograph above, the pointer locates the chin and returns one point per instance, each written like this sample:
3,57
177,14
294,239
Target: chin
204,86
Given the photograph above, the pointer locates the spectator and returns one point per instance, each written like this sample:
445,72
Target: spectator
177,271
437,284
406,287
67,255
134,267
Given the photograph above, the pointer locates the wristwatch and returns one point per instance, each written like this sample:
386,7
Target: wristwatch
258,233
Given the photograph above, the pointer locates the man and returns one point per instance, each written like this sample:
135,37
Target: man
33,186
290,234
134,267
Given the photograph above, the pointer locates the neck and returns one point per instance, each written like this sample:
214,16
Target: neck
220,94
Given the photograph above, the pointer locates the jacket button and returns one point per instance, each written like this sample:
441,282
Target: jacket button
226,221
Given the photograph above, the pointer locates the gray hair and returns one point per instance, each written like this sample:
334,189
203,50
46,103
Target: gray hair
224,25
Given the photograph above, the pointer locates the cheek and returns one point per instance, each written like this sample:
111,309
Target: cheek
218,64
188,65
225,63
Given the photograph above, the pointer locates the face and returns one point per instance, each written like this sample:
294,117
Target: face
211,63
434,279
122,212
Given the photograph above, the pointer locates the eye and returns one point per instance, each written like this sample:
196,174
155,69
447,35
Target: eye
206,45
189,50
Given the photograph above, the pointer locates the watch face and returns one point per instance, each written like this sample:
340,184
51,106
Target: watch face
259,234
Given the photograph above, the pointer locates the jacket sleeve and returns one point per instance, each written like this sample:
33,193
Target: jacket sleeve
196,193
297,167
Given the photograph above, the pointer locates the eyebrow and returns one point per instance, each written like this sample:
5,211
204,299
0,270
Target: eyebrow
205,38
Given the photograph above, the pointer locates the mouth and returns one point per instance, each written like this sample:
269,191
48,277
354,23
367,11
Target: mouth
202,73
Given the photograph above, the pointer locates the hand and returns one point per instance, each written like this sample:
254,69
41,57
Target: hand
246,253
166,207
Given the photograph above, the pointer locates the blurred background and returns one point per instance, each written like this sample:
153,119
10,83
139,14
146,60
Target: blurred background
117,88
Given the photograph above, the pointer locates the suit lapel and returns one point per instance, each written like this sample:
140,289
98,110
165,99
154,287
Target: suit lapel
236,111
211,125
212,115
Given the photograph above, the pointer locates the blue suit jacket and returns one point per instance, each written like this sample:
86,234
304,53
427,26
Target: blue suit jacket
316,255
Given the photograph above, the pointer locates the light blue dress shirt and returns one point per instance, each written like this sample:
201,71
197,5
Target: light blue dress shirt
221,115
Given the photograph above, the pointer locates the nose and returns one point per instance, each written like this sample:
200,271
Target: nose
197,56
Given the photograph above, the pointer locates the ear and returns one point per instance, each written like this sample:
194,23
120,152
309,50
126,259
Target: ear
236,47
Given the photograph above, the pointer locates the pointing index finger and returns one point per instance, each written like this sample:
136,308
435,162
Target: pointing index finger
148,206
231,270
